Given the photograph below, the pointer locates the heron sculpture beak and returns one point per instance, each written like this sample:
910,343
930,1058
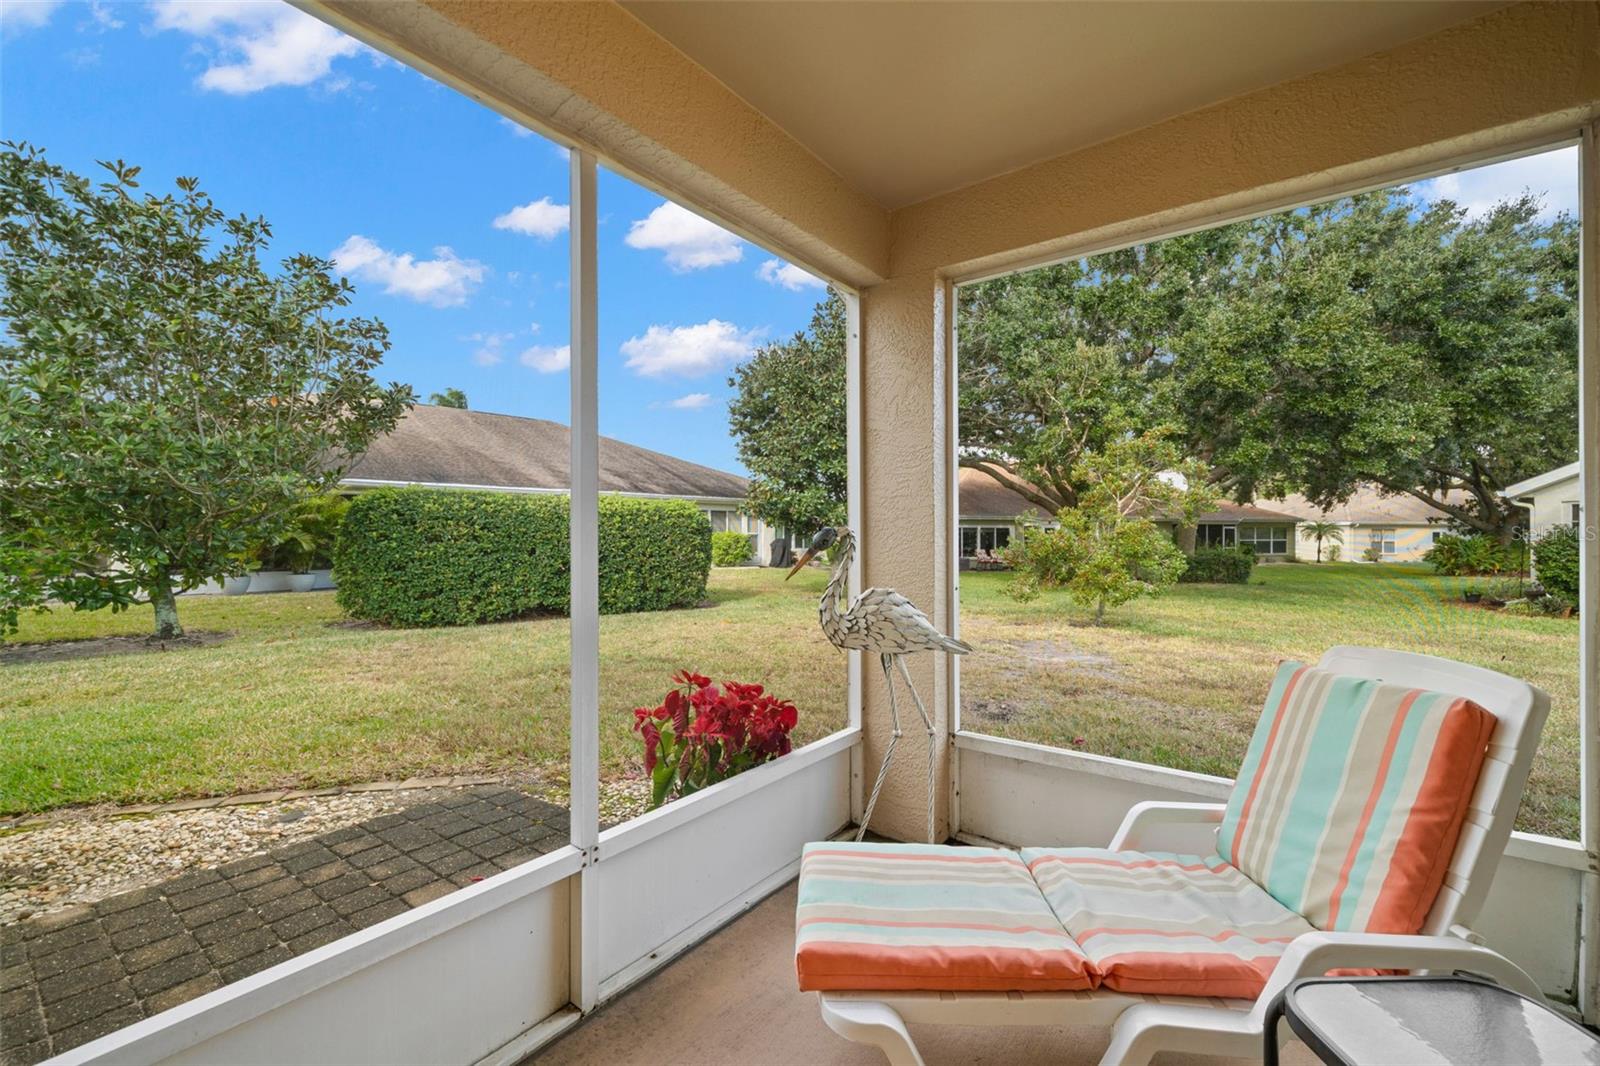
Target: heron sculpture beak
800,563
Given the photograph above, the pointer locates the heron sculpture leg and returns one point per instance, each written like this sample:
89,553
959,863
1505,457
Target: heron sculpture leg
888,662
927,724
888,753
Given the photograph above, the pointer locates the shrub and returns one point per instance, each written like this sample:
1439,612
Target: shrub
1453,554
1555,561
729,549
425,557
1220,566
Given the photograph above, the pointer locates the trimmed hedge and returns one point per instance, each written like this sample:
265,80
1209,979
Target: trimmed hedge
729,549
432,557
1555,562
1230,566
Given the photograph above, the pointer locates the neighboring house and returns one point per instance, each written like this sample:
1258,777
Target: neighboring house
1551,499
450,448
991,513
1401,527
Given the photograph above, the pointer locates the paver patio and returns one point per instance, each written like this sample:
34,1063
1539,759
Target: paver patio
72,976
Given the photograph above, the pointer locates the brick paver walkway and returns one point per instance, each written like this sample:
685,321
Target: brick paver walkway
69,977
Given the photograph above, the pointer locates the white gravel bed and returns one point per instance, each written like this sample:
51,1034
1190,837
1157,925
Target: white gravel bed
49,867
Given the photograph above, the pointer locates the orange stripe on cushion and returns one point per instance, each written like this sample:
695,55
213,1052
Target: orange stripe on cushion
1176,973
1120,864
1428,841
913,857
1218,937
1050,930
826,965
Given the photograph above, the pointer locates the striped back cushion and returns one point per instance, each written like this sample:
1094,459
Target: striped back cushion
1351,797
922,916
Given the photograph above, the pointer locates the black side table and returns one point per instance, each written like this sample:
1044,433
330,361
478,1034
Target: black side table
1424,1021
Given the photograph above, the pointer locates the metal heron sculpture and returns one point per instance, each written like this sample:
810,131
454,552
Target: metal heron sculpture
885,622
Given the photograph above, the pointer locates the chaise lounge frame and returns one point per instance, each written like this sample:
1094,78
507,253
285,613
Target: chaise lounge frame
1143,1025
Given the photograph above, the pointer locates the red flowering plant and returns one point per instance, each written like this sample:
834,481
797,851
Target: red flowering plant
702,733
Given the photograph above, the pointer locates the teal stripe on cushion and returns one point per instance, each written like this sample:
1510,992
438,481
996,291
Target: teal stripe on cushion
1252,759
1405,750
1296,847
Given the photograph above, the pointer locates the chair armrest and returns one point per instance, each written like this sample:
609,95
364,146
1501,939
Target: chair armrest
1314,954
1143,818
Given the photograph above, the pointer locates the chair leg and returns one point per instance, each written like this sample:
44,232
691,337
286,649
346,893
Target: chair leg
876,1024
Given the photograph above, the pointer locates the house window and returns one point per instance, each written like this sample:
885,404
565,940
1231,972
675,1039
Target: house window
1383,540
1215,535
1574,513
1266,540
984,538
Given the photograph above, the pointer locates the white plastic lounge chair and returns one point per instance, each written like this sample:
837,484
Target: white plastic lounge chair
1144,1024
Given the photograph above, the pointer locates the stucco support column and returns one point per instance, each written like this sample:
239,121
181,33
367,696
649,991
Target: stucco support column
905,338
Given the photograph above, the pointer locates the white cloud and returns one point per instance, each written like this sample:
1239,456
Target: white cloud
547,359
692,402
490,347
689,350
253,45
17,16
541,219
444,281
777,272
516,128
689,241
1553,175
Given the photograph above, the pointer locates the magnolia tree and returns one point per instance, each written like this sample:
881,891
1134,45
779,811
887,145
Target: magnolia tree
165,400
1108,550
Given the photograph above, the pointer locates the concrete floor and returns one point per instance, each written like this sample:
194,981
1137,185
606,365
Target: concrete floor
733,1001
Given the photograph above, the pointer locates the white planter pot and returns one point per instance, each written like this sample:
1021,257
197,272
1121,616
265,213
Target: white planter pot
236,586
302,582
324,579
270,581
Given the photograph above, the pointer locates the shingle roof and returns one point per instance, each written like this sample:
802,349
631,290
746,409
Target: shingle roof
449,446
984,497
981,496
1368,506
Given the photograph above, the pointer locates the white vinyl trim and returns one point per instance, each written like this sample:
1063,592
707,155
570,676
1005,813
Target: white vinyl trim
583,774
1095,765
1589,566
630,834
188,1024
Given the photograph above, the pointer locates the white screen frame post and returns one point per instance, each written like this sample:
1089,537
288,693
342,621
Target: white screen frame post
853,518
1589,565
584,618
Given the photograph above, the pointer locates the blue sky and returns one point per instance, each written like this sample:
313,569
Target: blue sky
450,219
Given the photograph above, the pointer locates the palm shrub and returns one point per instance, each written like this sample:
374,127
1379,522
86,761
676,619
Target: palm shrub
1454,555
729,549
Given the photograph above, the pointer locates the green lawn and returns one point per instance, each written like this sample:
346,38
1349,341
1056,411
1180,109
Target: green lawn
298,697
1179,679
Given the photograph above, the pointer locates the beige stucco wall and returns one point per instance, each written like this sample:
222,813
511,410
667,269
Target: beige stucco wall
900,426
1529,70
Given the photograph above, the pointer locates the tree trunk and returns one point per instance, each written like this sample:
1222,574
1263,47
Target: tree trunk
166,605
1319,549
1184,537
1099,612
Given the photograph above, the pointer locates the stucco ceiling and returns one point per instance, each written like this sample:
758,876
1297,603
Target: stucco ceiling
909,100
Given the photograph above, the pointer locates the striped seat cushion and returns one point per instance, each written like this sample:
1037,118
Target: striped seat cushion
1164,924
1352,795
918,916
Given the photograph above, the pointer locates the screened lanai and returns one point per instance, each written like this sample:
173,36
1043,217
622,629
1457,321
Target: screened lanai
904,152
